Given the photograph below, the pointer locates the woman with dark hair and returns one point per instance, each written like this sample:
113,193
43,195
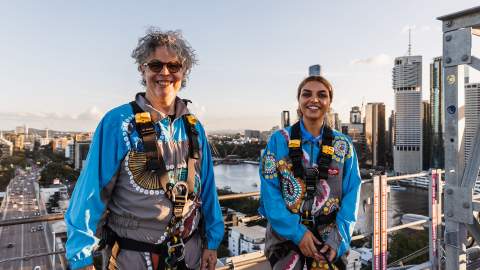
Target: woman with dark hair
310,186
149,172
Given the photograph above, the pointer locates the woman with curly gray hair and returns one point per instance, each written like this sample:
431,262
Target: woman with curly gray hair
146,195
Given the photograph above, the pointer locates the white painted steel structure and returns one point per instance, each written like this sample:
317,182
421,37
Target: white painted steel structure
460,174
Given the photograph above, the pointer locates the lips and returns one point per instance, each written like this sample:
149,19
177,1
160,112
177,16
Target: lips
163,83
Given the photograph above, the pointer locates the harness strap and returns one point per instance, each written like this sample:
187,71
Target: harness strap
146,131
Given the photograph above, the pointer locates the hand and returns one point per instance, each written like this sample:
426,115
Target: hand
307,246
329,251
209,259
88,267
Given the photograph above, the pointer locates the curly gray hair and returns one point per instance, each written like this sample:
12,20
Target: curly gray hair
173,40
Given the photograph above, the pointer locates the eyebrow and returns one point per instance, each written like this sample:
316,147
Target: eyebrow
308,90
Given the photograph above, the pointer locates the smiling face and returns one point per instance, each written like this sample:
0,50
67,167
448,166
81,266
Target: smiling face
314,101
162,82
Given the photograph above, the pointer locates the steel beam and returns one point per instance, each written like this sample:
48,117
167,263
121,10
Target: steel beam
473,166
462,19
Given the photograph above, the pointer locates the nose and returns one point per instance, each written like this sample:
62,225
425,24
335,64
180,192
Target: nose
164,70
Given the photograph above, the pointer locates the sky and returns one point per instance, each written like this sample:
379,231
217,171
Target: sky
63,64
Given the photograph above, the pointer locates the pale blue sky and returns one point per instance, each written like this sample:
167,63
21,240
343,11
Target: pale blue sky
65,63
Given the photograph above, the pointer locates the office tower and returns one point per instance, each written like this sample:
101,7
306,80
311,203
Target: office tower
437,112
472,115
285,119
355,130
81,152
375,134
426,135
314,70
355,115
407,86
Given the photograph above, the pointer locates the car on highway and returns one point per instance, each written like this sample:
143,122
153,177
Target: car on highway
10,245
37,268
33,229
40,227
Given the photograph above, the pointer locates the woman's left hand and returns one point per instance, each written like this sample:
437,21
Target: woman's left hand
209,259
329,251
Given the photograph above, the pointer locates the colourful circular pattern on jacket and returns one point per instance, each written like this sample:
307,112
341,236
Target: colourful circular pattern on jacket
292,190
269,166
341,149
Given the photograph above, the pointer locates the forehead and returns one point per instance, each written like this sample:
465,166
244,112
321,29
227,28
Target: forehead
314,86
163,54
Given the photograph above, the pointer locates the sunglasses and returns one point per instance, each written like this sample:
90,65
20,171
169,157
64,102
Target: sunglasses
157,66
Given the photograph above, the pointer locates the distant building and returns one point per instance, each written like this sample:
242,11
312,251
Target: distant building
390,140
314,70
437,114
375,134
472,115
19,141
427,135
355,115
285,119
6,148
252,134
407,85
81,152
243,239
356,131
70,150
21,130
333,120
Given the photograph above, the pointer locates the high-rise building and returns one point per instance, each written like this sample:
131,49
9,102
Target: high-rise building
375,134
355,130
407,85
437,113
6,147
314,70
390,140
21,130
426,135
81,152
355,115
333,120
285,119
472,115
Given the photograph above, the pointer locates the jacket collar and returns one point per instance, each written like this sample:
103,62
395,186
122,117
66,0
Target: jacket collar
180,107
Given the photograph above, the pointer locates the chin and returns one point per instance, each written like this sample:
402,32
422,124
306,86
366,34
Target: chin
315,117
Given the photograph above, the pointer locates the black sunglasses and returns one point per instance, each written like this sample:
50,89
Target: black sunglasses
157,66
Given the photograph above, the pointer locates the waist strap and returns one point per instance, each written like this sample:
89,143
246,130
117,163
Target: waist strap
110,237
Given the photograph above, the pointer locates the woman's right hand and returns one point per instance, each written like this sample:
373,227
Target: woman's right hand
307,246
88,267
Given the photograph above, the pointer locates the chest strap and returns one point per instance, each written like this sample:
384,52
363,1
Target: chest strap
295,152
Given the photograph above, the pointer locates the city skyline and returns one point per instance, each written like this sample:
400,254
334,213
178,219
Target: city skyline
65,65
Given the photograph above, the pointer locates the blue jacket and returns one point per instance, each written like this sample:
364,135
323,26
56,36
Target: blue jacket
281,205
114,138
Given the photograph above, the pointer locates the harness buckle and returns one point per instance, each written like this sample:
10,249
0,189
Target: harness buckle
176,249
308,220
179,198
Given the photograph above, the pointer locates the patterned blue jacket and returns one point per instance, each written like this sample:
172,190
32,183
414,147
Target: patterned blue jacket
107,182
282,194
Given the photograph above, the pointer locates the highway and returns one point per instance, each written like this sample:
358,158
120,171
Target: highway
22,201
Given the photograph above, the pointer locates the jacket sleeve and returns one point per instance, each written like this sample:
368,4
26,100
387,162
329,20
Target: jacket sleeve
272,204
107,150
347,215
212,214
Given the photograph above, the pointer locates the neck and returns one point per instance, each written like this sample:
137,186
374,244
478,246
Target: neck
313,126
164,104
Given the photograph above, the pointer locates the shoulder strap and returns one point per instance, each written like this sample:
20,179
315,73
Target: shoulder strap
326,152
146,131
189,121
295,150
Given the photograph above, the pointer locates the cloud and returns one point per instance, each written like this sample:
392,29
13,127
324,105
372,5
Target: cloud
377,60
91,114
